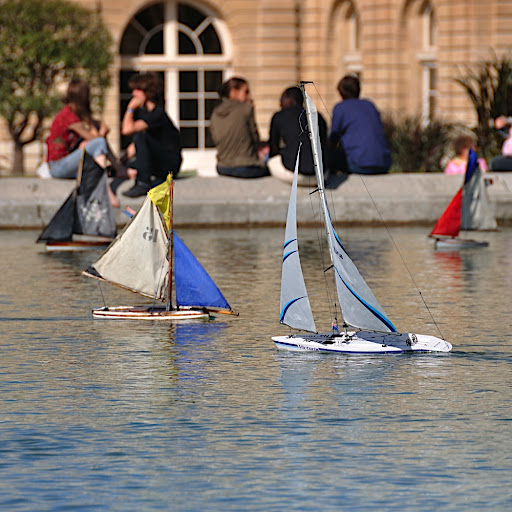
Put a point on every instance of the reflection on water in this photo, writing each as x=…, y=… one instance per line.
x=113, y=415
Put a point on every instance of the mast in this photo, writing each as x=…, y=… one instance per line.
x=317, y=165
x=171, y=246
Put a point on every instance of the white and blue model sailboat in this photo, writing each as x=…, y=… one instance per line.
x=146, y=257
x=370, y=329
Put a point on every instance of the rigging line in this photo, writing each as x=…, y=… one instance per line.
x=322, y=258
x=401, y=257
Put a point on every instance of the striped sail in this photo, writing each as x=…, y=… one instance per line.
x=295, y=307
x=359, y=306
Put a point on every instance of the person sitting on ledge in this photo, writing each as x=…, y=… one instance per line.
x=156, y=146
x=73, y=131
x=461, y=146
x=234, y=133
x=287, y=130
x=504, y=161
x=357, y=140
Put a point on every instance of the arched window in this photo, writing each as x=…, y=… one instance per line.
x=189, y=47
x=345, y=39
x=420, y=58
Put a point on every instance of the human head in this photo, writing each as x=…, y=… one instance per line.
x=349, y=87
x=462, y=144
x=291, y=96
x=236, y=88
x=150, y=84
x=78, y=98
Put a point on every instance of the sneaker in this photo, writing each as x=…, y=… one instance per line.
x=139, y=189
x=43, y=171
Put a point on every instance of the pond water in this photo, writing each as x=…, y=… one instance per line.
x=124, y=416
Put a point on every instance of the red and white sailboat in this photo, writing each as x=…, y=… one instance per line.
x=470, y=209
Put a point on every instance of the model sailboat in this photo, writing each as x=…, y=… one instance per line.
x=85, y=220
x=360, y=309
x=145, y=257
x=470, y=209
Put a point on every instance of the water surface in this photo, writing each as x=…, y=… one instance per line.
x=123, y=416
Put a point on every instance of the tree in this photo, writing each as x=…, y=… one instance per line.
x=490, y=90
x=43, y=44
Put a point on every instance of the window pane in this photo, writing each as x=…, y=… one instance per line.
x=188, y=110
x=209, y=141
x=189, y=16
x=189, y=137
x=155, y=45
x=185, y=45
x=209, y=105
x=131, y=42
x=188, y=81
x=210, y=41
x=151, y=17
x=212, y=81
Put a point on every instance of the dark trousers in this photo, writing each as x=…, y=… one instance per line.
x=339, y=161
x=501, y=163
x=148, y=161
x=243, y=172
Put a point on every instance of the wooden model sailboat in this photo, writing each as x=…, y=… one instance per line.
x=143, y=259
x=470, y=209
x=359, y=307
x=85, y=220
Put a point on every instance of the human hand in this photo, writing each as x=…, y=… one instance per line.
x=136, y=102
x=500, y=122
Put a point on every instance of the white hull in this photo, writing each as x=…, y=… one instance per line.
x=458, y=243
x=149, y=313
x=362, y=342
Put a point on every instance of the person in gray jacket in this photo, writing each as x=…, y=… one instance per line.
x=234, y=133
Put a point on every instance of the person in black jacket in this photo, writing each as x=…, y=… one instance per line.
x=155, y=138
x=287, y=131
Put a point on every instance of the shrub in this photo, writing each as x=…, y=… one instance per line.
x=417, y=146
x=490, y=90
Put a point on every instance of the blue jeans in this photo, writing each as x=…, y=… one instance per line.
x=67, y=166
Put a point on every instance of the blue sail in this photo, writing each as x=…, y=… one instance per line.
x=194, y=287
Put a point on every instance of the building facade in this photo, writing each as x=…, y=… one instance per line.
x=406, y=52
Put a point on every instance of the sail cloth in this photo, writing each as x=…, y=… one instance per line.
x=471, y=208
x=295, y=308
x=86, y=211
x=194, y=287
x=477, y=209
x=359, y=306
x=137, y=258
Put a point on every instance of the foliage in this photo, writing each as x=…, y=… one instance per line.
x=417, y=146
x=45, y=43
x=490, y=90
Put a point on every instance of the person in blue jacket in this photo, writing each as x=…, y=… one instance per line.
x=357, y=141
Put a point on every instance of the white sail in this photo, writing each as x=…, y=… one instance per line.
x=295, y=307
x=358, y=305
x=137, y=259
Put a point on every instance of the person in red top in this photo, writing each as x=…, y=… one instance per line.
x=74, y=129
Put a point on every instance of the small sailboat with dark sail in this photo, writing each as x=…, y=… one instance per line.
x=148, y=258
x=367, y=329
x=85, y=220
x=469, y=210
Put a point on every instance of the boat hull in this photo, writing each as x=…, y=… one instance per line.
x=149, y=313
x=76, y=246
x=458, y=243
x=362, y=342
